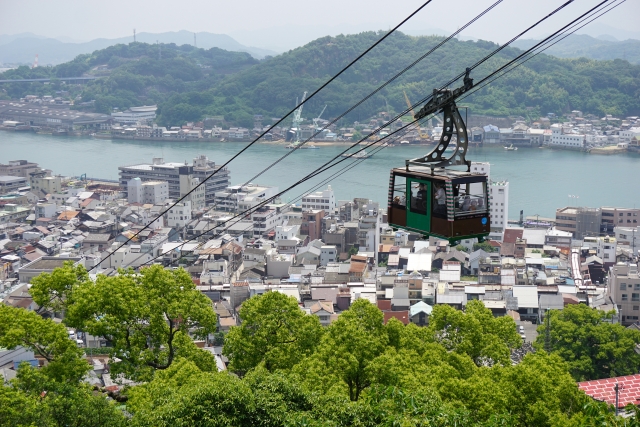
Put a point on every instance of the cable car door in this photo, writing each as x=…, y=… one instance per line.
x=418, y=209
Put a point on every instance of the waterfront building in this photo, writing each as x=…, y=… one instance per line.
x=624, y=288
x=18, y=168
x=324, y=200
x=563, y=138
x=158, y=170
x=619, y=217
x=499, y=205
x=59, y=117
x=142, y=114
x=491, y=134
x=579, y=221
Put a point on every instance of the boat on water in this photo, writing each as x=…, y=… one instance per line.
x=511, y=148
x=360, y=155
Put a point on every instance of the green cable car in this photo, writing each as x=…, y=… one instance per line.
x=427, y=198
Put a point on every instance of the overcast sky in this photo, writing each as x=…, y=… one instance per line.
x=254, y=21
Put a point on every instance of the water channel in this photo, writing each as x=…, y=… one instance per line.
x=540, y=179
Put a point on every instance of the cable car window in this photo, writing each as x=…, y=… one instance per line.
x=470, y=200
x=418, y=198
x=399, y=192
x=439, y=202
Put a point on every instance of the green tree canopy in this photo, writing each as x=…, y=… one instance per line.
x=274, y=331
x=592, y=345
x=147, y=317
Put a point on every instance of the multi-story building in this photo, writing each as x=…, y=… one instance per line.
x=11, y=183
x=499, y=205
x=179, y=215
x=18, y=168
x=579, y=221
x=158, y=170
x=242, y=197
x=45, y=210
x=324, y=200
x=605, y=248
x=190, y=188
x=143, y=114
x=619, y=217
x=561, y=138
x=42, y=184
x=624, y=288
x=13, y=213
x=152, y=192
x=266, y=219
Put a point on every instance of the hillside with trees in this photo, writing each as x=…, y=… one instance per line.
x=189, y=84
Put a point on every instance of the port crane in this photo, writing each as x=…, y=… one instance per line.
x=427, y=196
x=418, y=128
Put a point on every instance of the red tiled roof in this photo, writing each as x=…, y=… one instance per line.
x=402, y=316
x=510, y=236
x=384, y=304
x=604, y=390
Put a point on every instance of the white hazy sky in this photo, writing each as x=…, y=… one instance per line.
x=250, y=20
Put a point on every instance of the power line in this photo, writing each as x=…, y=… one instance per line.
x=329, y=164
x=280, y=120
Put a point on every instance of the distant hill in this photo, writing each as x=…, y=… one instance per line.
x=190, y=83
x=544, y=84
x=22, y=48
x=585, y=46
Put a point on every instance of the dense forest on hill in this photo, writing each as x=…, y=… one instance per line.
x=189, y=83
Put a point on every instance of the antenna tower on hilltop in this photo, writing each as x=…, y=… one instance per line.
x=35, y=62
x=134, y=35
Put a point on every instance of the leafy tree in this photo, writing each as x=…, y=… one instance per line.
x=47, y=339
x=592, y=345
x=352, y=342
x=488, y=340
x=274, y=331
x=147, y=317
x=53, y=291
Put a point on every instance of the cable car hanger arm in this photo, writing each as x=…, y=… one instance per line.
x=443, y=100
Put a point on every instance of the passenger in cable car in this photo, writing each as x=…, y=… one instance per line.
x=440, y=206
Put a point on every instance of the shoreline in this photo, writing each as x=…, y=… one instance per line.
x=319, y=144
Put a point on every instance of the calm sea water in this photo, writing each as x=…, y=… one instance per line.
x=540, y=180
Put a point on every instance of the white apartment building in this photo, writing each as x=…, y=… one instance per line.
x=179, y=215
x=266, y=219
x=45, y=210
x=499, y=205
x=605, y=247
x=328, y=253
x=324, y=200
x=624, y=288
x=287, y=232
x=628, y=236
x=562, y=139
x=151, y=192
x=238, y=198
x=628, y=135
x=191, y=190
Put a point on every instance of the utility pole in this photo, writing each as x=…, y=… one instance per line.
x=547, y=331
x=617, y=389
